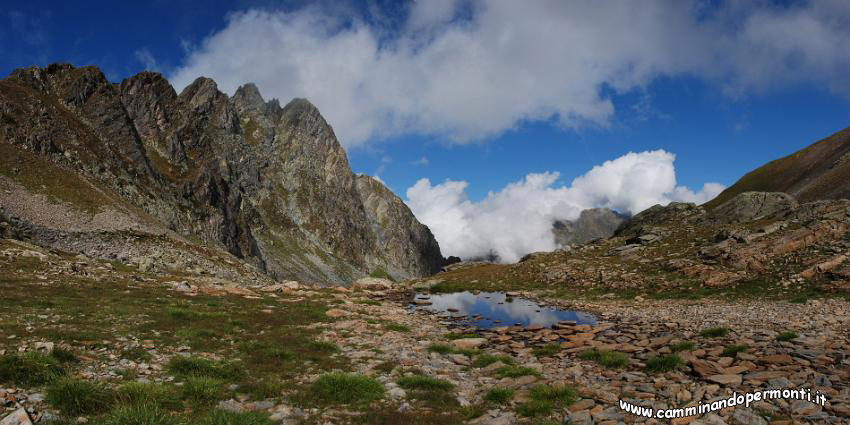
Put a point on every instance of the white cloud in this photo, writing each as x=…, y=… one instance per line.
x=518, y=219
x=466, y=70
x=146, y=58
x=421, y=161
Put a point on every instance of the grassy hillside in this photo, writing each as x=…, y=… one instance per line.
x=820, y=171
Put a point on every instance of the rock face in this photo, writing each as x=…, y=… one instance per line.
x=750, y=206
x=271, y=185
x=402, y=238
x=591, y=224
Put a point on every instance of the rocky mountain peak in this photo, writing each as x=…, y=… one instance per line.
x=301, y=113
x=202, y=94
x=149, y=100
x=272, y=186
x=151, y=82
x=248, y=97
x=306, y=134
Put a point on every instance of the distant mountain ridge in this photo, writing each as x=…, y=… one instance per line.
x=591, y=224
x=271, y=185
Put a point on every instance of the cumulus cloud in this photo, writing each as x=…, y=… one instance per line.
x=467, y=69
x=518, y=219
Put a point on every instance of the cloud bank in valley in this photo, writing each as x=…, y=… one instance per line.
x=464, y=70
x=518, y=219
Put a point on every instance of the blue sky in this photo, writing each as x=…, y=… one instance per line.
x=494, y=93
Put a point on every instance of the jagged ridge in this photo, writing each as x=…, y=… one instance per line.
x=269, y=184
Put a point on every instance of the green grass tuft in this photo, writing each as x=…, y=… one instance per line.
x=714, y=332
x=547, y=350
x=150, y=394
x=137, y=354
x=787, y=336
x=202, y=390
x=185, y=367
x=732, y=350
x=663, y=363
x=799, y=299
x=223, y=417
x=499, y=395
x=545, y=398
x=606, y=358
x=77, y=397
x=180, y=313
x=323, y=347
x=265, y=387
x=396, y=327
x=515, y=371
x=440, y=348
x=29, y=369
x=141, y=414
x=380, y=273
x=63, y=355
x=485, y=360
x=682, y=346
x=468, y=352
x=267, y=353
x=426, y=383
x=343, y=388
x=453, y=336
x=386, y=367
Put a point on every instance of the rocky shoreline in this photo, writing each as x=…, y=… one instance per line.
x=816, y=359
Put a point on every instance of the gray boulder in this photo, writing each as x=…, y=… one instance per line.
x=751, y=206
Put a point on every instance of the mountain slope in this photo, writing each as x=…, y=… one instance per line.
x=269, y=185
x=819, y=171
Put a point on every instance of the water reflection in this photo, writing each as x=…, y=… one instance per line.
x=490, y=309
